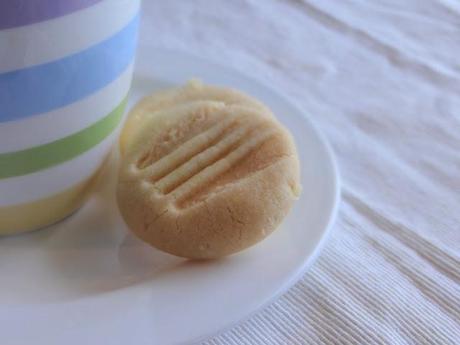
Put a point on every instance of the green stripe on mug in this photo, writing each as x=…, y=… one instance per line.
x=38, y=158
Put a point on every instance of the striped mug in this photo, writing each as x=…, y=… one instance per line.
x=65, y=72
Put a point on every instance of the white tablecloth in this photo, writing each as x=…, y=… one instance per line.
x=381, y=79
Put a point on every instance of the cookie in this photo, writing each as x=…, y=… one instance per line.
x=207, y=178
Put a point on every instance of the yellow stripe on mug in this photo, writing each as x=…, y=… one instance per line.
x=40, y=213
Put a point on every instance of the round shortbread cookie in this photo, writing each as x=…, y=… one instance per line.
x=205, y=179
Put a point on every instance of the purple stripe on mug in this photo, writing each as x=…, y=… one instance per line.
x=15, y=13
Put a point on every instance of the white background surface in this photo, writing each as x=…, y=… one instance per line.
x=382, y=80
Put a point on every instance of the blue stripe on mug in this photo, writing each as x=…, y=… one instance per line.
x=45, y=87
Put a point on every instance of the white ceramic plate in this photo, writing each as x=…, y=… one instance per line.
x=86, y=280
